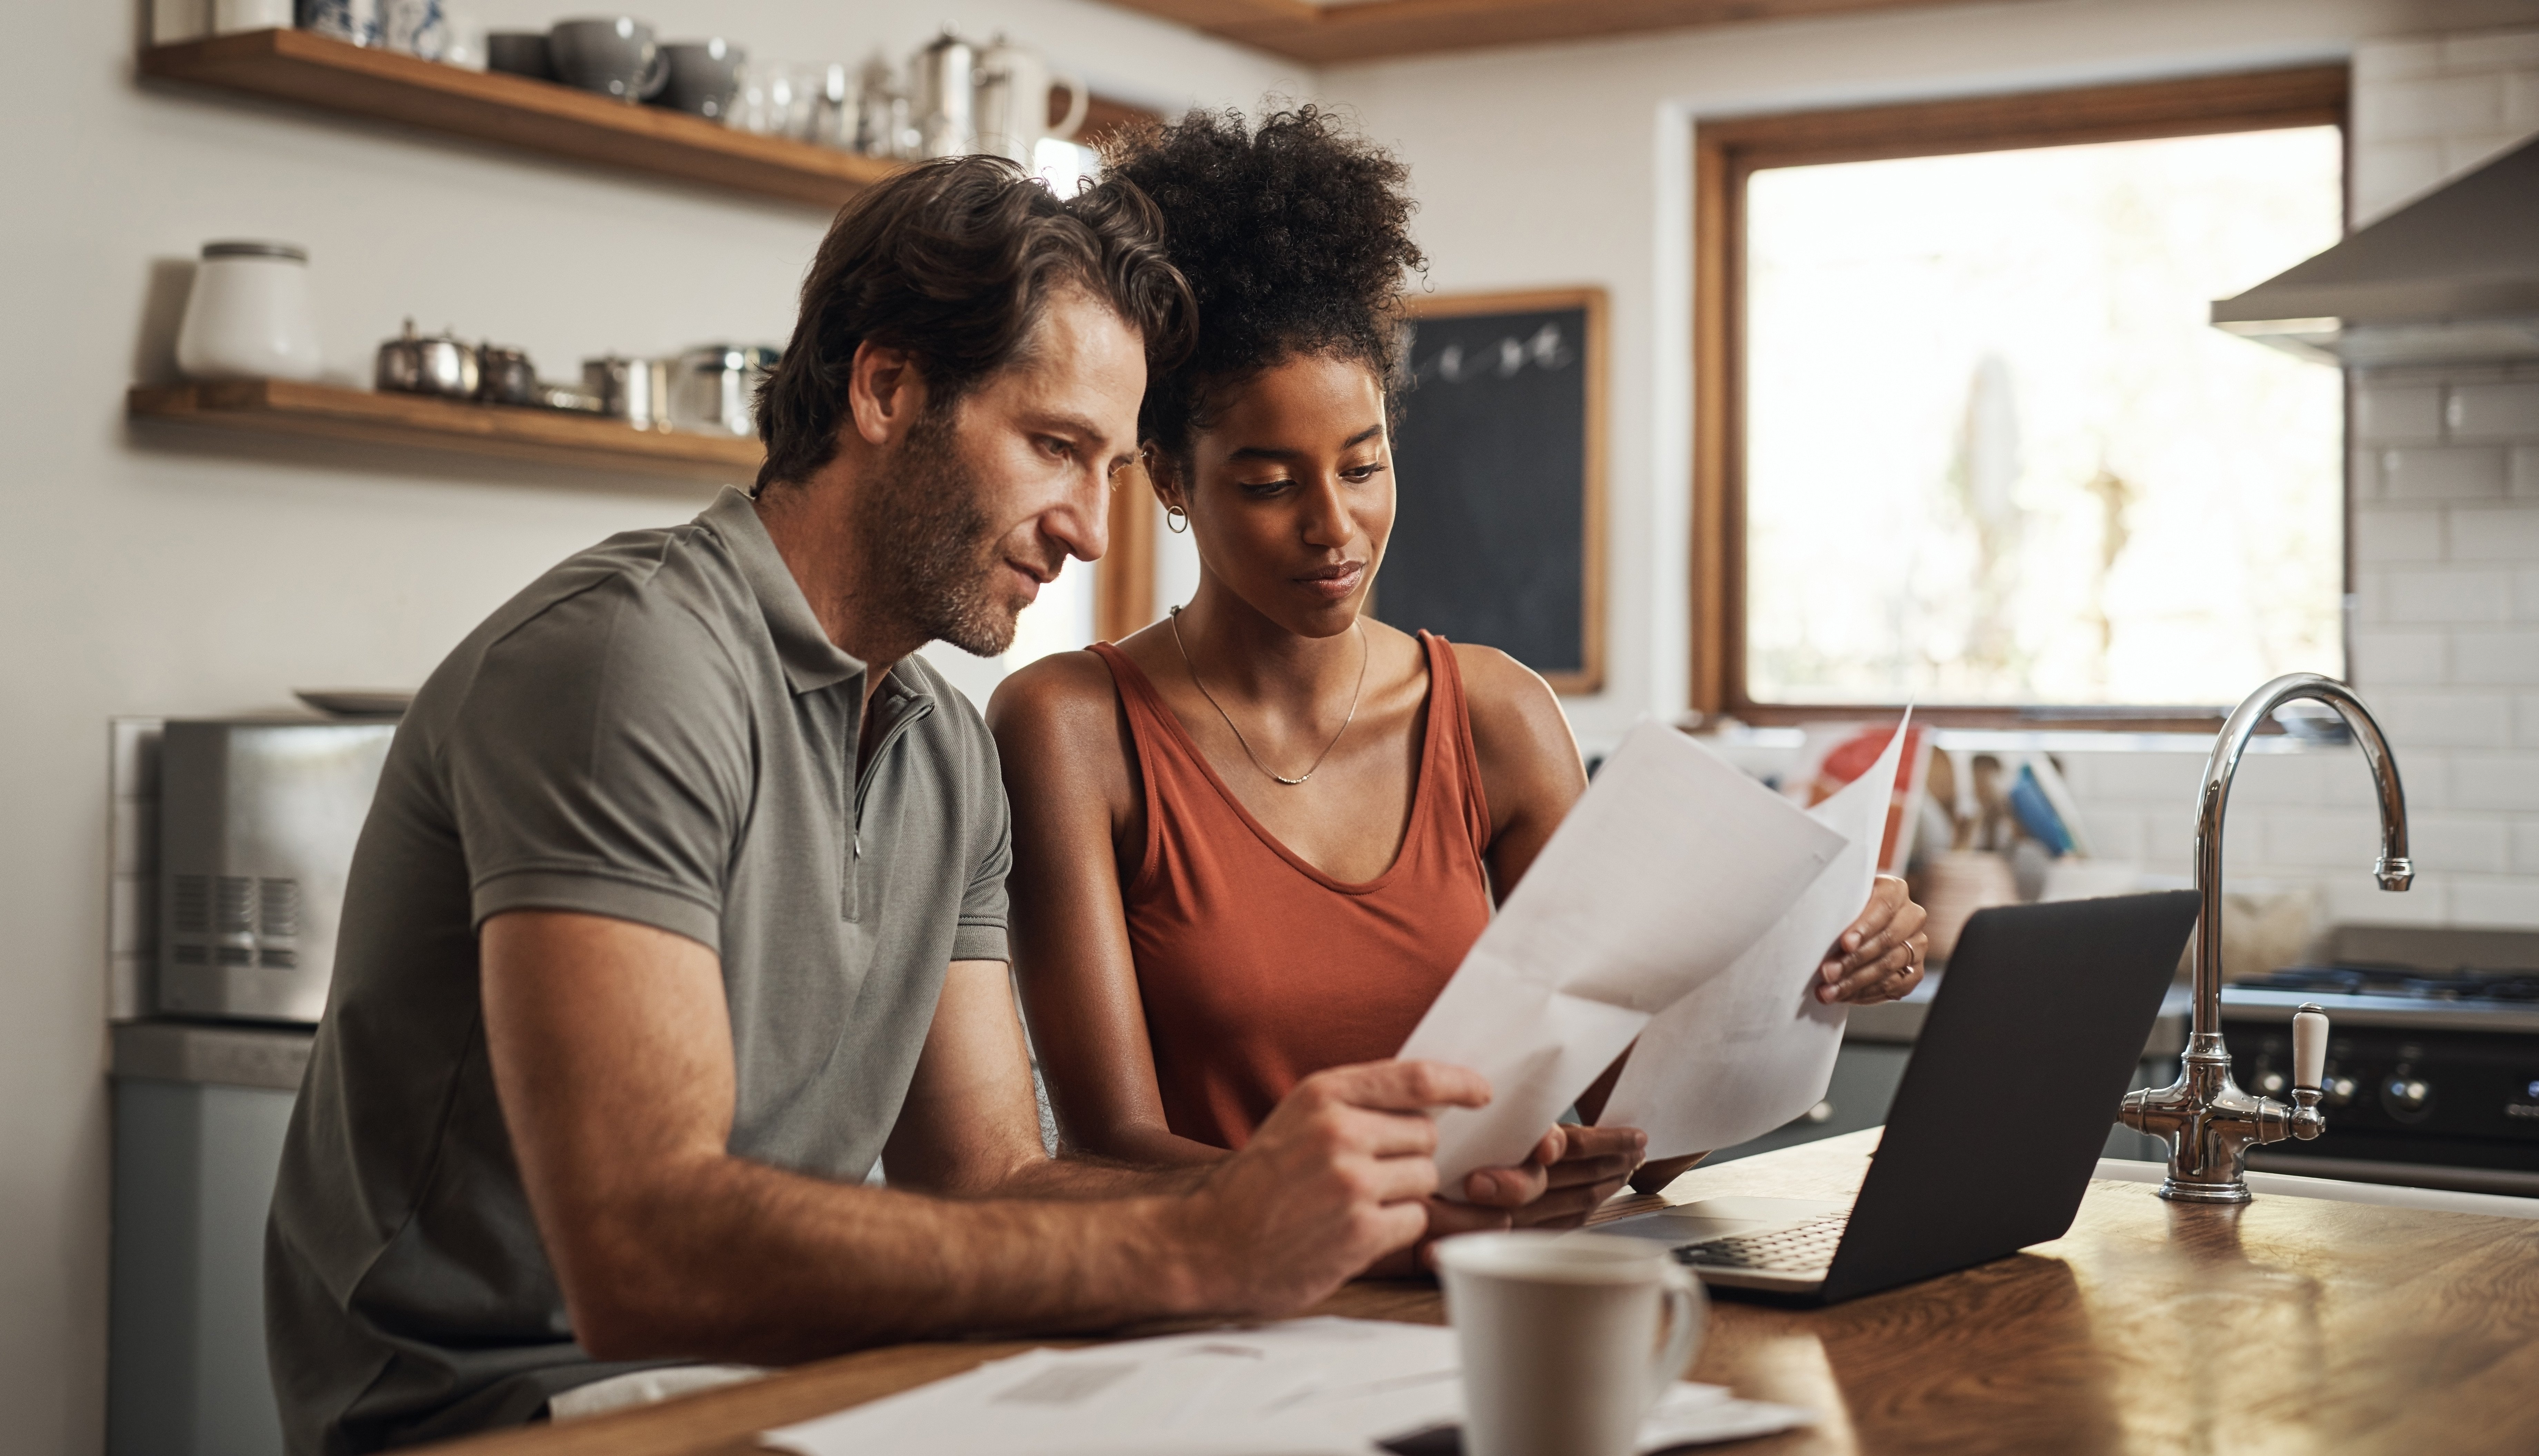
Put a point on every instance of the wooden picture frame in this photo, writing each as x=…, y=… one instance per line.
x=1597, y=353
x=1726, y=152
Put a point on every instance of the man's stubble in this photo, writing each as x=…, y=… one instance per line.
x=932, y=557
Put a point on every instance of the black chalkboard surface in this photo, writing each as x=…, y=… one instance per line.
x=1497, y=474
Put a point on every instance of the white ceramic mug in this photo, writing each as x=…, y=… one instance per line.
x=1560, y=1340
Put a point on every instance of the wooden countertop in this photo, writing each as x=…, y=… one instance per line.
x=2290, y=1324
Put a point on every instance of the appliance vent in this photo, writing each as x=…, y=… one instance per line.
x=234, y=955
x=193, y=904
x=279, y=902
x=272, y=959
x=236, y=905
x=193, y=955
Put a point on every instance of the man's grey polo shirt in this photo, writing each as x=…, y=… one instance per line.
x=657, y=730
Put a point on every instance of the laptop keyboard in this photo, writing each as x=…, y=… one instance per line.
x=1796, y=1250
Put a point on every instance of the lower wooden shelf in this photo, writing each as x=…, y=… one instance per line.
x=421, y=421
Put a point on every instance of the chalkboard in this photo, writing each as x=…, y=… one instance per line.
x=1498, y=473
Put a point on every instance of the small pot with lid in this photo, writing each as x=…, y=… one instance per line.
x=506, y=377
x=435, y=364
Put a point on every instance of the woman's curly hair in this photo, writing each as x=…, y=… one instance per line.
x=1295, y=238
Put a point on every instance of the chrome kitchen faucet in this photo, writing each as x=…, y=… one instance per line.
x=2207, y=1122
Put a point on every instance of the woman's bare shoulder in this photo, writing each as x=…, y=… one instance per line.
x=1504, y=690
x=1063, y=699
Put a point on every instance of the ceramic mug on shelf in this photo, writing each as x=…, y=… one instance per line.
x=418, y=28
x=518, y=53
x=1560, y=1337
x=704, y=78
x=355, y=21
x=250, y=315
x=614, y=56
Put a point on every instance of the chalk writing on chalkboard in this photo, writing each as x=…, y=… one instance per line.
x=1495, y=490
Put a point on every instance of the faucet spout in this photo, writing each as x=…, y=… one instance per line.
x=2207, y=1120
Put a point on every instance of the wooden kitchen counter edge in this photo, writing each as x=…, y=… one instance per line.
x=2150, y=1327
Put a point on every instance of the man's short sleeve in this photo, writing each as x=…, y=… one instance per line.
x=601, y=765
x=982, y=932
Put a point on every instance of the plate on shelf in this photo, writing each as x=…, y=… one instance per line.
x=357, y=703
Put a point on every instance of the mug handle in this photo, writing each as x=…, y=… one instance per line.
x=656, y=75
x=1683, y=1301
x=1080, y=99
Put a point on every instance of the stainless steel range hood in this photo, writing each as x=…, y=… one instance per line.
x=2450, y=278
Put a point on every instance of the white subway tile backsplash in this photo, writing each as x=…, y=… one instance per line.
x=2525, y=472
x=2399, y=533
x=2392, y=413
x=2114, y=833
x=2387, y=175
x=2377, y=61
x=2359, y=899
x=2423, y=772
x=2414, y=717
x=2493, y=411
x=2398, y=658
x=2496, y=782
x=2491, y=50
x=2521, y=102
x=2468, y=153
x=2459, y=842
x=2318, y=838
x=2441, y=473
x=2495, y=902
x=2526, y=594
x=2289, y=779
x=2494, y=658
x=2525, y=846
x=2496, y=533
x=2437, y=108
x=2418, y=595
x=2160, y=778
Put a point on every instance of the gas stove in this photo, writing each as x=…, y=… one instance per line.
x=2433, y=1077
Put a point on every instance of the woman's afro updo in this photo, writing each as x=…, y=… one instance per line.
x=1295, y=238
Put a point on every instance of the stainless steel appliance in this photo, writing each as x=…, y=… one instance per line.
x=2432, y=1075
x=258, y=818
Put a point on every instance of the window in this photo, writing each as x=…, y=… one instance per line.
x=1964, y=435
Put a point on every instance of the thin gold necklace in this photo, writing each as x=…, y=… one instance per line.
x=1363, y=652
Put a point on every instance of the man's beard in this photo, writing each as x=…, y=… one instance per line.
x=930, y=555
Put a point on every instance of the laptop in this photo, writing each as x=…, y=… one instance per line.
x=1995, y=1131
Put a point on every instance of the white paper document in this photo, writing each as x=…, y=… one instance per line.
x=1670, y=868
x=1303, y=1387
x=1753, y=1048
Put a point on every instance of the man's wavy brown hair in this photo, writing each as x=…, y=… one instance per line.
x=955, y=261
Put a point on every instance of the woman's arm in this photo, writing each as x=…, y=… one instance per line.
x=1077, y=814
x=1531, y=771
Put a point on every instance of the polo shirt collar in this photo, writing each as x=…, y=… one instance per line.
x=811, y=661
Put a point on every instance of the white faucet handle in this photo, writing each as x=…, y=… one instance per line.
x=2309, y=1046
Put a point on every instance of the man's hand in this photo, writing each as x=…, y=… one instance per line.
x=1879, y=957
x=1573, y=1171
x=1337, y=1177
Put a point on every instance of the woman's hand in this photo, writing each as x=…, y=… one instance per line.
x=1573, y=1171
x=1879, y=957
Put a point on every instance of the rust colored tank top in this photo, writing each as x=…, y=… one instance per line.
x=1257, y=968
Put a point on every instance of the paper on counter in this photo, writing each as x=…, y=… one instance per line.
x=1753, y=1048
x=1302, y=1387
x=1667, y=871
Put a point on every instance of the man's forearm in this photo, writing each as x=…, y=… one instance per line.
x=752, y=1263
x=1079, y=1175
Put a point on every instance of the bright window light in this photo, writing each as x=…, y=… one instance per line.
x=1994, y=451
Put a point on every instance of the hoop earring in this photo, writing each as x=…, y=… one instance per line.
x=1176, y=520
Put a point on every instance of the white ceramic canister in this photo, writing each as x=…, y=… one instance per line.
x=231, y=16
x=250, y=315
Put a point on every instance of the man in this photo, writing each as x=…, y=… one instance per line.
x=682, y=902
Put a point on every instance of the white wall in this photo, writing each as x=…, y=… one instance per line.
x=1572, y=165
x=150, y=573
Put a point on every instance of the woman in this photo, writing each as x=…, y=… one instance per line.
x=1255, y=838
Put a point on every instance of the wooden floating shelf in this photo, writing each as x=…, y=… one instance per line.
x=515, y=111
x=421, y=421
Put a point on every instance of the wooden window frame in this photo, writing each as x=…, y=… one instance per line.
x=1727, y=152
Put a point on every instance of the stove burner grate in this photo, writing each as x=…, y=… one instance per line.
x=2407, y=983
